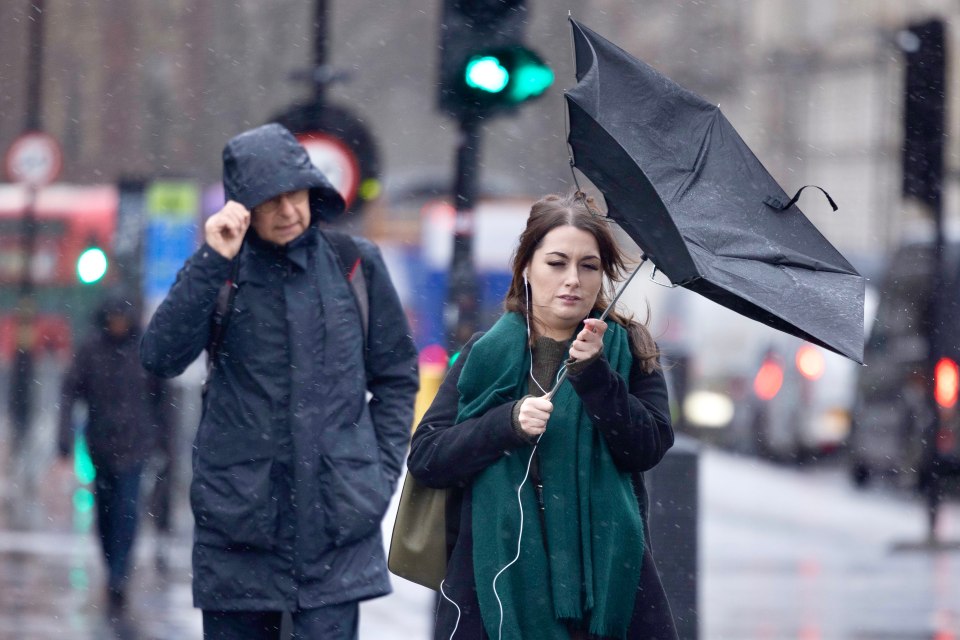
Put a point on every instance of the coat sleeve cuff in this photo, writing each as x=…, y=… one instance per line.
x=515, y=421
x=207, y=268
x=575, y=367
x=584, y=372
x=209, y=260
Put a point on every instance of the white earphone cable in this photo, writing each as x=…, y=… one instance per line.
x=457, y=623
x=526, y=476
x=526, y=286
x=519, y=539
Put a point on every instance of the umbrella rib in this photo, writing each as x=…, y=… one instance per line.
x=820, y=268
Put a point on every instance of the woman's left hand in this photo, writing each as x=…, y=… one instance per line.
x=589, y=342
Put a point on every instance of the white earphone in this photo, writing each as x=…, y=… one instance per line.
x=526, y=293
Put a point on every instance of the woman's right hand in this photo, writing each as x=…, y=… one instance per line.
x=534, y=414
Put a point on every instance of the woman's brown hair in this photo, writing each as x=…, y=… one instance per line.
x=576, y=210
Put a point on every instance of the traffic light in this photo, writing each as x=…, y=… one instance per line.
x=485, y=66
x=92, y=265
x=924, y=110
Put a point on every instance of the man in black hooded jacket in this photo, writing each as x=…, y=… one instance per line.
x=307, y=416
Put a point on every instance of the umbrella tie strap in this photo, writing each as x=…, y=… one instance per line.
x=587, y=201
x=583, y=197
x=777, y=203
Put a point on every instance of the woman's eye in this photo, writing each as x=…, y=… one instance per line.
x=592, y=267
x=556, y=264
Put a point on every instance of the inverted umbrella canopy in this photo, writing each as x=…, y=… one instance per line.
x=681, y=182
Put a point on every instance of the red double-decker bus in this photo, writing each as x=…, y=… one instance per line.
x=68, y=219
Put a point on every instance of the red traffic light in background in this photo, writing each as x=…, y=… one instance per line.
x=947, y=382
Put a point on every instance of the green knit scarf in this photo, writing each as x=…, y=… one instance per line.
x=594, y=532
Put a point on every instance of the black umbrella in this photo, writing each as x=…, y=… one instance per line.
x=682, y=183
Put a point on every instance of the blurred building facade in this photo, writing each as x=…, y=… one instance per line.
x=154, y=89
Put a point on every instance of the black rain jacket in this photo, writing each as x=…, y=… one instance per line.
x=304, y=428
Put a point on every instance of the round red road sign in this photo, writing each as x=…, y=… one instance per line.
x=34, y=158
x=336, y=160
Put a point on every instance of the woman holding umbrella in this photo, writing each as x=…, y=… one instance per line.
x=547, y=532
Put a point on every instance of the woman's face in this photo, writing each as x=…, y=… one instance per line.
x=565, y=276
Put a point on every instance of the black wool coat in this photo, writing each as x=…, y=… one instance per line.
x=633, y=417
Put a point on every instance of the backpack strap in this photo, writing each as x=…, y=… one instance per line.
x=354, y=270
x=220, y=320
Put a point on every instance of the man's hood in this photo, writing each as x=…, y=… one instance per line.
x=265, y=162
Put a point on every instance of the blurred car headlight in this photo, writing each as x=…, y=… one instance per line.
x=833, y=425
x=708, y=409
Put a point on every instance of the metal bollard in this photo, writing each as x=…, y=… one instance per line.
x=674, y=507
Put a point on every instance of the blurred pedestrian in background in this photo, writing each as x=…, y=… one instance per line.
x=125, y=409
x=572, y=559
x=307, y=415
x=23, y=379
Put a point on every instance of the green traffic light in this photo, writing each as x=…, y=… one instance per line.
x=505, y=76
x=531, y=79
x=91, y=265
x=486, y=73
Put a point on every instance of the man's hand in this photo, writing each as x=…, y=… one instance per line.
x=225, y=229
x=534, y=413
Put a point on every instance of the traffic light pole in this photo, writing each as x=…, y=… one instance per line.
x=935, y=351
x=21, y=390
x=319, y=50
x=32, y=123
x=924, y=46
x=461, y=314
